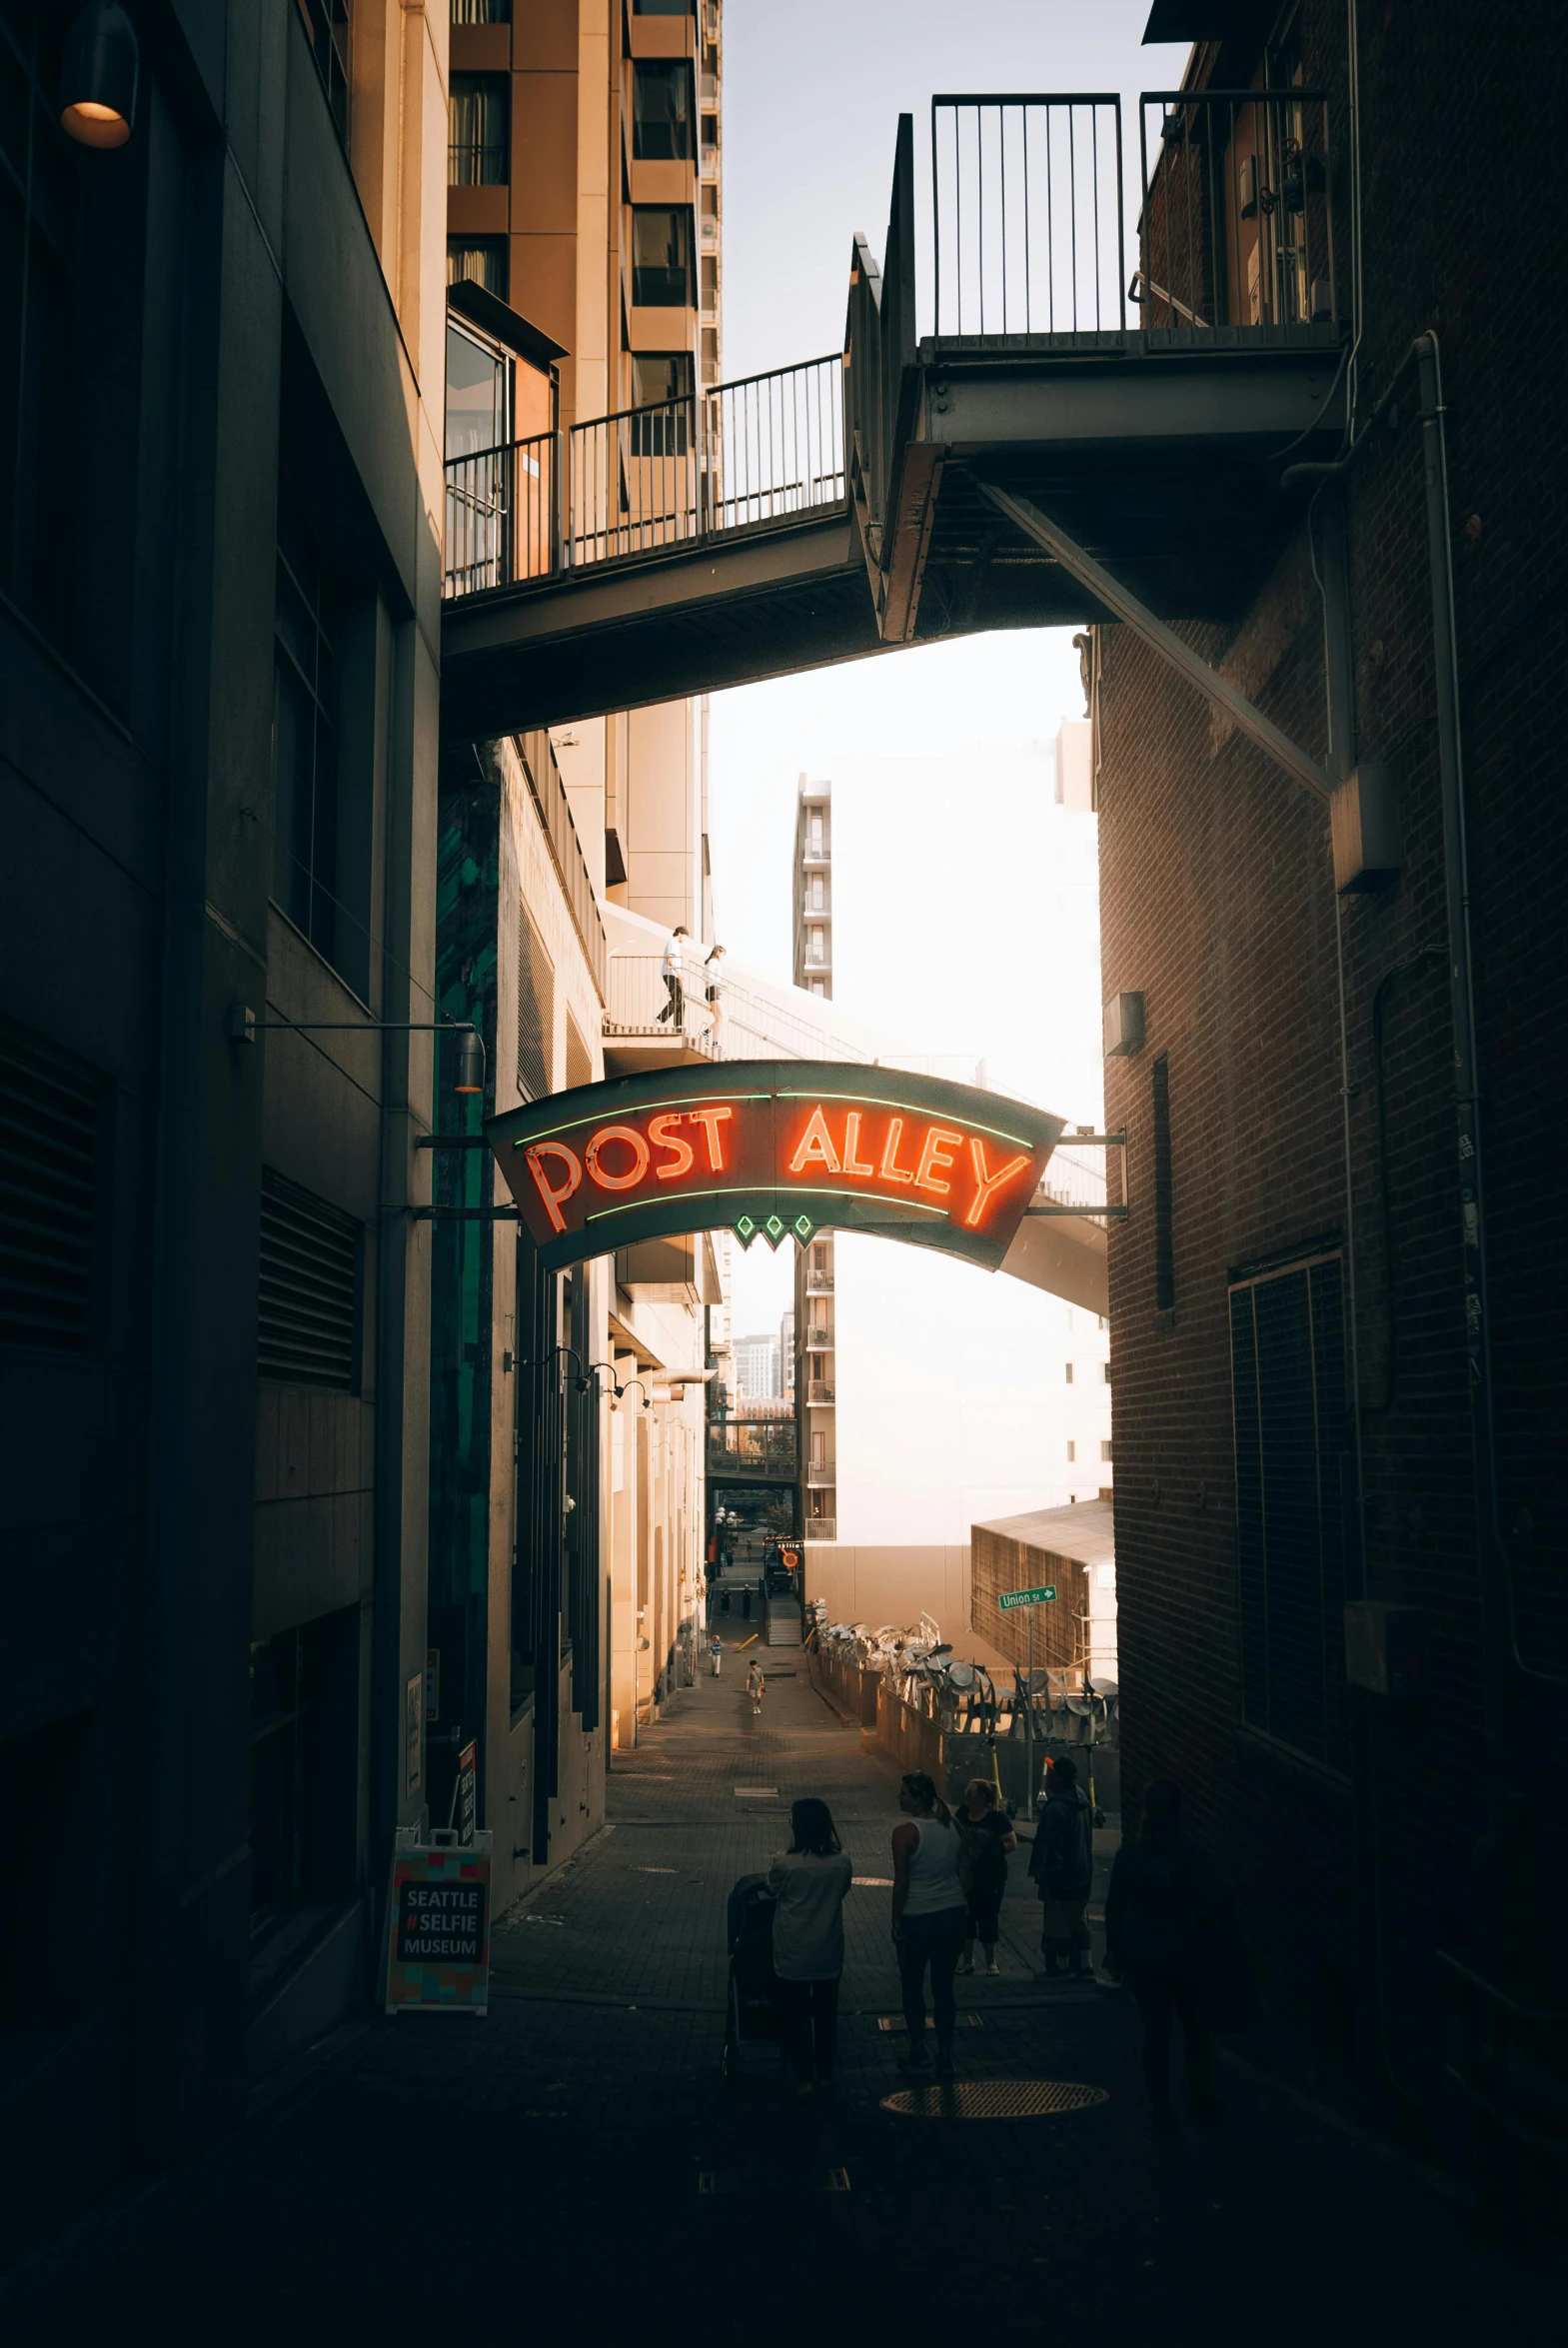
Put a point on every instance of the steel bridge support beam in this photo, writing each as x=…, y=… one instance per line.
x=1125, y=606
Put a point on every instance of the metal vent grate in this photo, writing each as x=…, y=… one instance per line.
x=50, y=1125
x=309, y=1269
x=993, y=2099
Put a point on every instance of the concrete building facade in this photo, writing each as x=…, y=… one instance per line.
x=219, y=651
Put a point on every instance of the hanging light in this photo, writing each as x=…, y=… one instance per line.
x=470, y=1063
x=99, y=76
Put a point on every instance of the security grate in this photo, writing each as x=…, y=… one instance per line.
x=993, y=2099
x=307, y=1326
x=50, y=1125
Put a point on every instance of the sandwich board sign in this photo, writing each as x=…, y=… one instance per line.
x=438, y=1925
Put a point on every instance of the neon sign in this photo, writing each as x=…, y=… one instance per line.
x=772, y=1148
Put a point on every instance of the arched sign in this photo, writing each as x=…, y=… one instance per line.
x=776, y=1149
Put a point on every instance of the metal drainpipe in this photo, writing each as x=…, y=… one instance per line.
x=1500, y=1644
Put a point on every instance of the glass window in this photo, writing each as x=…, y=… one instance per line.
x=661, y=7
x=1069, y=1373
x=482, y=262
x=327, y=22
x=662, y=257
x=477, y=140
x=482, y=11
x=478, y=389
x=662, y=110
x=304, y=731
x=1072, y=1451
x=660, y=392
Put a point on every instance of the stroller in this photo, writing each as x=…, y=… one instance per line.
x=754, y=2016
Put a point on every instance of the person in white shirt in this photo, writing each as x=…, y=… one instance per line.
x=673, y=968
x=930, y=1914
x=809, y=1882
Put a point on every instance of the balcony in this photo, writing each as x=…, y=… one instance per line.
x=819, y=1341
x=819, y=1284
x=821, y=1529
x=820, y=1390
x=821, y=1475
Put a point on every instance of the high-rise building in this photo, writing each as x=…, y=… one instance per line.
x=583, y=259
x=812, y=905
x=758, y=1374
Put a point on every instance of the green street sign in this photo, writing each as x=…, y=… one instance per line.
x=1026, y=1598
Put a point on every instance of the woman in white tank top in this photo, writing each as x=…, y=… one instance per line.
x=929, y=1916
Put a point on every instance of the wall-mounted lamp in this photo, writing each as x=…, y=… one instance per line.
x=245, y=1027
x=99, y=76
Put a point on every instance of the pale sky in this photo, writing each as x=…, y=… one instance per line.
x=811, y=98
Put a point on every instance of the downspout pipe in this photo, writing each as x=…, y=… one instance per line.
x=1500, y=1643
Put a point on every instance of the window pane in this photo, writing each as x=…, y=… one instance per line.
x=662, y=112
x=662, y=257
x=476, y=393
x=476, y=152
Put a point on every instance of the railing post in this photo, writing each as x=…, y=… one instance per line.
x=560, y=492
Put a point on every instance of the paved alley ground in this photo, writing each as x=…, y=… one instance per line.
x=573, y=2165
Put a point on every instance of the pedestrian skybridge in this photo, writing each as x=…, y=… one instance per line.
x=1129, y=392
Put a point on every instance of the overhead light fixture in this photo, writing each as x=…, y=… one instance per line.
x=471, y=1062
x=99, y=76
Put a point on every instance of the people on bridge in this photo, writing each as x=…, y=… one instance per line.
x=714, y=989
x=756, y=1686
x=1164, y=1896
x=716, y=1649
x=674, y=970
x=930, y=1917
x=809, y=1882
x=1063, y=1867
x=987, y=1839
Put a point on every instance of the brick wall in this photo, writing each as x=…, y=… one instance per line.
x=1218, y=903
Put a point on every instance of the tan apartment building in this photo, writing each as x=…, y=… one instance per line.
x=583, y=274
x=812, y=902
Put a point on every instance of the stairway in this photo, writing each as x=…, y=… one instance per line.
x=783, y=1622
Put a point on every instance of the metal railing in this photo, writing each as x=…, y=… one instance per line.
x=753, y=1447
x=768, y=448
x=500, y=520
x=1026, y=214
x=638, y=1003
x=1237, y=227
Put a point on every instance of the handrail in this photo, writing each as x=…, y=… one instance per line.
x=763, y=449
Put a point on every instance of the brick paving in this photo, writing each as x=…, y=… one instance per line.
x=458, y=2178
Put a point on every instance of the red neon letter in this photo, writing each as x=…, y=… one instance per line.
x=851, y=1142
x=893, y=1171
x=817, y=1147
x=663, y=1138
x=988, y=1185
x=638, y=1147
x=553, y=1198
x=710, y=1120
x=938, y=1150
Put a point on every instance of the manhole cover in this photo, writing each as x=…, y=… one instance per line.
x=993, y=2099
x=757, y=1794
x=873, y=1882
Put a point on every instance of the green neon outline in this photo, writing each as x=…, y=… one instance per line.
x=648, y=1108
x=875, y=1101
x=753, y=1189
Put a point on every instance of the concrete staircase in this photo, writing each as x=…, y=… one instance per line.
x=783, y=1622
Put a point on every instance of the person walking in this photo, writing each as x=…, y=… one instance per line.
x=756, y=1686
x=716, y=1649
x=930, y=1914
x=1063, y=1867
x=988, y=1838
x=809, y=1882
x=1163, y=1896
x=714, y=990
x=672, y=970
